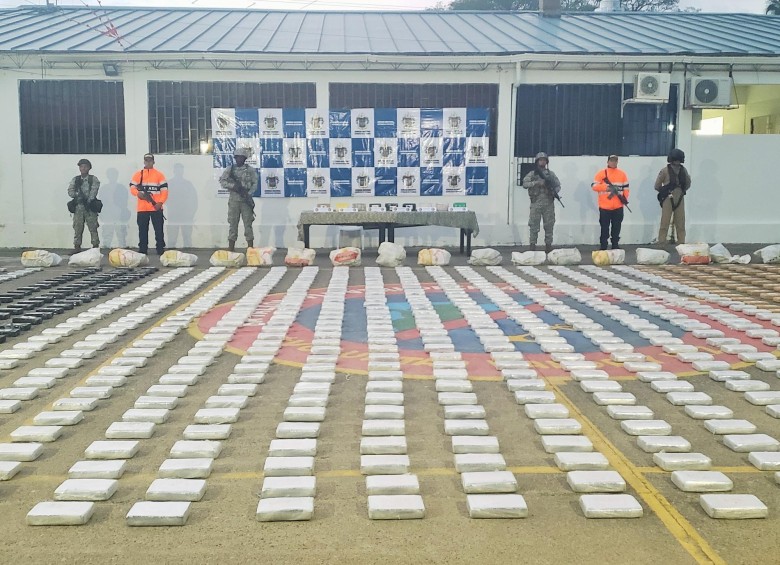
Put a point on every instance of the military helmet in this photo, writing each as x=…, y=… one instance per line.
x=541, y=155
x=242, y=152
x=84, y=162
x=676, y=155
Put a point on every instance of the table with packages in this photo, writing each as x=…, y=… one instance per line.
x=388, y=222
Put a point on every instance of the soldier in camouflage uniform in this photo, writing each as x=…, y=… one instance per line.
x=542, y=186
x=240, y=180
x=83, y=188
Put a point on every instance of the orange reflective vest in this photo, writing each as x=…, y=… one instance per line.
x=153, y=183
x=616, y=177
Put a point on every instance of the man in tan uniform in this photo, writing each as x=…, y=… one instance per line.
x=672, y=184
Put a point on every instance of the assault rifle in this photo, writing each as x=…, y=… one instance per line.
x=242, y=192
x=615, y=191
x=143, y=194
x=546, y=178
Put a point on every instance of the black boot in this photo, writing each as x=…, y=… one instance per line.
x=532, y=247
x=548, y=247
x=232, y=245
x=250, y=243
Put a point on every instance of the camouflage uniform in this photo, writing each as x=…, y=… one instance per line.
x=542, y=204
x=84, y=190
x=240, y=204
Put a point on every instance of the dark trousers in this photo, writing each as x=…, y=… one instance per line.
x=143, y=230
x=615, y=218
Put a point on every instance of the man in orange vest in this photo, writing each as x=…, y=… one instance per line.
x=151, y=189
x=611, y=184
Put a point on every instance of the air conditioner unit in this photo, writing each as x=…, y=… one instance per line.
x=708, y=92
x=652, y=86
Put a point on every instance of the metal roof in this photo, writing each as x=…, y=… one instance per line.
x=157, y=31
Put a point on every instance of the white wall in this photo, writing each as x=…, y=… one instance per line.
x=734, y=196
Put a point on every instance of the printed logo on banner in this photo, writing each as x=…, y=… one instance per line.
x=408, y=122
x=430, y=181
x=318, y=182
x=476, y=151
x=294, y=123
x=362, y=123
x=316, y=123
x=362, y=152
x=272, y=182
x=270, y=122
x=454, y=148
x=431, y=154
x=295, y=153
x=454, y=181
x=340, y=182
x=476, y=181
x=271, y=153
x=385, y=152
x=295, y=183
x=385, y=184
x=363, y=181
x=317, y=154
x=431, y=122
x=340, y=124
x=408, y=181
x=340, y=152
x=454, y=122
x=223, y=122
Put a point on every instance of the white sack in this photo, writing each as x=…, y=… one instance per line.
x=224, y=258
x=645, y=256
x=174, y=258
x=127, y=258
x=693, y=250
x=486, y=256
x=40, y=258
x=345, y=257
x=769, y=254
x=433, y=257
x=260, y=256
x=299, y=257
x=390, y=254
x=606, y=257
x=89, y=258
x=529, y=257
x=569, y=256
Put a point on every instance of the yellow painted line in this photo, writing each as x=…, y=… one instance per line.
x=682, y=530
x=741, y=469
x=29, y=421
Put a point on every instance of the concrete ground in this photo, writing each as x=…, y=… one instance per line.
x=222, y=526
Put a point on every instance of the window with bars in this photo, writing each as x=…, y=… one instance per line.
x=72, y=116
x=585, y=119
x=391, y=95
x=180, y=112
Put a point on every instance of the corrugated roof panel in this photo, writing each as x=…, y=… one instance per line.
x=190, y=30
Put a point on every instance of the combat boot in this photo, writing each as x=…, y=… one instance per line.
x=548, y=247
x=232, y=245
x=77, y=248
x=250, y=243
x=532, y=247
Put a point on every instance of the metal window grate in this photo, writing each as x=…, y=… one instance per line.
x=584, y=119
x=180, y=112
x=72, y=116
x=373, y=95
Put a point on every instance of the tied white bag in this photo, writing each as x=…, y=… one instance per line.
x=390, y=254
x=345, y=257
x=486, y=256
x=769, y=254
x=40, y=258
x=433, y=257
x=529, y=257
x=719, y=254
x=693, y=250
x=126, y=258
x=89, y=258
x=564, y=256
x=173, y=258
x=224, y=258
x=646, y=256
x=260, y=256
x=299, y=257
x=605, y=257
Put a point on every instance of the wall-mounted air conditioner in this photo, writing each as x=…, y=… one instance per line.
x=708, y=92
x=652, y=86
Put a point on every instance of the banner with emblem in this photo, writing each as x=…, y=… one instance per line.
x=368, y=152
